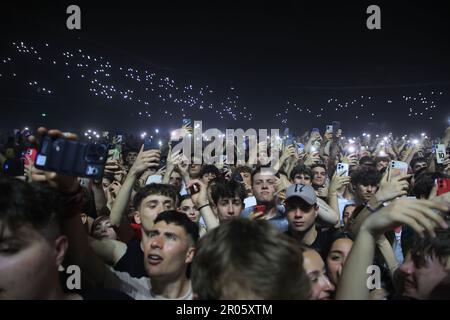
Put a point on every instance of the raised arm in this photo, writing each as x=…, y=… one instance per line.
x=418, y=214
x=144, y=160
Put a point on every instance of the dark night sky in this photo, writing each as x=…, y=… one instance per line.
x=271, y=52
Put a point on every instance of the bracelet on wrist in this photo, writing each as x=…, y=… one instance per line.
x=201, y=207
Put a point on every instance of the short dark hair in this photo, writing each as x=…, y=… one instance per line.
x=31, y=204
x=209, y=168
x=227, y=189
x=259, y=168
x=366, y=176
x=242, y=169
x=367, y=159
x=155, y=189
x=301, y=169
x=318, y=165
x=182, y=220
x=248, y=257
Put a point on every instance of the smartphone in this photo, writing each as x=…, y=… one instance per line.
x=151, y=144
x=336, y=126
x=29, y=153
x=286, y=132
x=237, y=177
x=397, y=168
x=289, y=141
x=443, y=186
x=342, y=169
x=187, y=123
x=13, y=168
x=300, y=148
x=195, y=188
x=329, y=129
x=72, y=158
x=440, y=153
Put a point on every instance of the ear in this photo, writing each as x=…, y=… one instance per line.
x=137, y=217
x=214, y=208
x=61, y=244
x=190, y=254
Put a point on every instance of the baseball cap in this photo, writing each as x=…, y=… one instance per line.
x=302, y=191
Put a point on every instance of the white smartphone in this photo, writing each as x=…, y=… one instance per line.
x=440, y=153
x=329, y=129
x=342, y=169
x=397, y=168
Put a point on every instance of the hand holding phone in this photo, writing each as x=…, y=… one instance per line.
x=397, y=168
x=440, y=153
x=72, y=158
x=342, y=169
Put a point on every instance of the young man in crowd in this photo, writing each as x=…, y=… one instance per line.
x=301, y=174
x=32, y=245
x=425, y=266
x=302, y=211
x=246, y=259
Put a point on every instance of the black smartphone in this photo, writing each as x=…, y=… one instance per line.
x=13, y=168
x=151, y=144
x=195, y=188
x=237, y=177
x=72, y=158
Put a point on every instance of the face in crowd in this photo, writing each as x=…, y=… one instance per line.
x=229, y=208
x=418, y=276
x=302, y=178
x=321, y=287
x=102, y=229
x=131, y=157
x=365, y=193
x=348, y=212
x=176, y=180
x=151, y=206
x=336, y=258
x=28, y=262
x=188, y=208
x=167, y=250
x=319, y=176
x=264, y=186
x=301, y=215
x=246, y=178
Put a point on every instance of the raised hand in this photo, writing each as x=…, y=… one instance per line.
x=145, y=160
x=418, y=214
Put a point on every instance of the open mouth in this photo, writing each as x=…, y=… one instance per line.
x=154, y=259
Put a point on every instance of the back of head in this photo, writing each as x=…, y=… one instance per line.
x=248, y=259
x=34, y=205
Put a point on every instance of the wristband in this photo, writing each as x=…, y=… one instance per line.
x=205, y=205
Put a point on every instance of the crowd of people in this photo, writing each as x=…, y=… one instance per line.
x=158, y=225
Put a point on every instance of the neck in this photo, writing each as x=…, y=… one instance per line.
x=171, y=289
x=307, y=237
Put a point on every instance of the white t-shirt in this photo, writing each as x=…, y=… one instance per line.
x=136, y=288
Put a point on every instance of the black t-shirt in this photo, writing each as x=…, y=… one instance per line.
x=320, y=243
x=132, y=261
